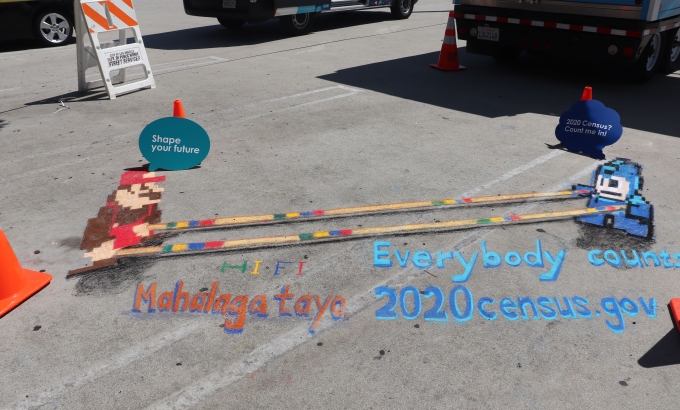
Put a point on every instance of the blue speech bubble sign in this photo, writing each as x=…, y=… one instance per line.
x=174, y=144
x=588, y=127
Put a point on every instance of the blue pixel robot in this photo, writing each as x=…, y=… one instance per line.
x=618, y=182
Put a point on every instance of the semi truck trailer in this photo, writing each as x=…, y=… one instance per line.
x=640, y=36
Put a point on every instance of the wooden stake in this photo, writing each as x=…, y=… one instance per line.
x=360, y=232
x=360, y=210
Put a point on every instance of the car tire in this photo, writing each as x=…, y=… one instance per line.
x=506, y=54
x=53, y=28
x=650, y=60
x=297, y=24
x=402, y=9
x=231, y=24
x=671, y=61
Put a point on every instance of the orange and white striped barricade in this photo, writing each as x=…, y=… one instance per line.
x=94, y=17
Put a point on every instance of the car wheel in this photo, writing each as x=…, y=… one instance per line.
x=671, y=62
x=402, y=9
x=649, y=61
x=53, y=28
x=297, y=24
x=231, y=24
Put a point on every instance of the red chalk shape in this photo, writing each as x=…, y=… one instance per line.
x=221, y=304
x=213, y=291
x=149, y=296
x=300, y=270
x=198, y=302
x=215, y=244
x=179, y=295
x=165, y=302
x=302, y=305
x=238, y=307
x=322, y=310
x=282, y=297
x=258, y=305
x=336, y=312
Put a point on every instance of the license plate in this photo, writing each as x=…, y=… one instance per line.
x=488, y=33
x=229, y=4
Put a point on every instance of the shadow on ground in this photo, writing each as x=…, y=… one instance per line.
x=528, y=85
x=490, y=89
x=113, y=279
x=97, y=94
x=7, y=46
x=216, y=36
x=598, y=237
x=665, y=352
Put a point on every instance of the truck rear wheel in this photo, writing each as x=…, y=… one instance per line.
x=402, y=9
x=231, y=24
x=650, y=60
x=671, y=62
x=297, y=24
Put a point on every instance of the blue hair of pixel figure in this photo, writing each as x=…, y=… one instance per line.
x=619, y=182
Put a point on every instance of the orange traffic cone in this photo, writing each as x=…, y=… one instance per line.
x=16, y=283
x=448, y=56
x=178, y=110
x=587, y=94
x=675, y=312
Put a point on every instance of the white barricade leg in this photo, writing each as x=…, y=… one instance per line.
x=94, y=17
x=85, y=54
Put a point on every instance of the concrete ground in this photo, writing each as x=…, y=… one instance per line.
x=349, y=115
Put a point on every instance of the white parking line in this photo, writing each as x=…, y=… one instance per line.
x=308, y=47
x=192, y=394
x=195, y=392
x=213, y=60
x=126, y=357
x=547, y=157
x=292, y=107
x=351, y=92
x=277, y=99
x=132, y=72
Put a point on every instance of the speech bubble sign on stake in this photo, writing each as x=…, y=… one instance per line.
x=588, y=126
x=174, y=144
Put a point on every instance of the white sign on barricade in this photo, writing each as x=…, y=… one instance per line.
x=94, y=17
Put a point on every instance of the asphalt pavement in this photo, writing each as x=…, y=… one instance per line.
x=349, y=115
